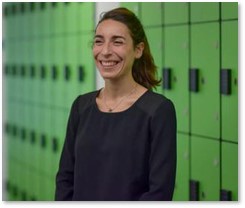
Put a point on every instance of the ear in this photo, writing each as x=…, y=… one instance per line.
x=139, y=50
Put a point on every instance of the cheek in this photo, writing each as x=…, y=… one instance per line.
x=96, y=51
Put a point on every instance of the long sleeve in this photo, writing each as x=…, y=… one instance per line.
x=162, y=162
x=65, y=175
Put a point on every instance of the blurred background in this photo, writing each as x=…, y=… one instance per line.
x=48, y=62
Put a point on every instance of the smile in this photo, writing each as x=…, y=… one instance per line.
x=109, y=63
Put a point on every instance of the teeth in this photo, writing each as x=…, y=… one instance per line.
x=108, y=63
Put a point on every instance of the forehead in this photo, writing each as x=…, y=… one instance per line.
x=112, y=28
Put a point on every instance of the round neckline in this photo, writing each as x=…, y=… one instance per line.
x=119, y=112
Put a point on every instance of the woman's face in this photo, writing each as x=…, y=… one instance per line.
x=113, y=49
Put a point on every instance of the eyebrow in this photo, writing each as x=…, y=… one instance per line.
x=113, y=37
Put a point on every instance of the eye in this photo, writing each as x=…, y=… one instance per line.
x=98, y=42
x=118, y=42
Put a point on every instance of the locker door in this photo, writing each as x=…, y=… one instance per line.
x=57, y=18
x=203, y=78
x=175, y=13
x=175, y=72
x=70, y=70
x=44, y=11
x=86, y=68
x=132, y=6
x=58, y=68
x=229, y=10
x=229, y=83
x=45, y=71
x=151, y=13
x=70, y=17
x=154, y=36
x=86, y=12
x=181, y=191
x=229, y=172
x=205, y=169
x=205, y=11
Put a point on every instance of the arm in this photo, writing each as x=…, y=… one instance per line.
x=64, y=177
x=162, y=161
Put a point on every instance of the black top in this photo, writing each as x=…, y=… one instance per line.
x=128, y=155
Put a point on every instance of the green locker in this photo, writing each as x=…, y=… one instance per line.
x=175, y=13
x=229, y=10
x=229, y=186
x=86, y=11
x=57, y=18
x=34, y=19
x=205, y=169
x=203, y=79
x=204, y=11
x=33, y=184
x=229, y=81
x=27, y=15
x=45, y=71
x=71, y=70
x=58, y=70
x=35, y=71
x=86, y=68
x=181, y=191
x=152, y=10
x=45, y=10
x=154, y=36
x=175, y=71
x=19, y=23
x=70, y=17
x=132, y=6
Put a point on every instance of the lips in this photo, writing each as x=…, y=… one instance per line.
x=108, y=63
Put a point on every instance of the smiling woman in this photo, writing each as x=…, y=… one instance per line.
x=121, y=140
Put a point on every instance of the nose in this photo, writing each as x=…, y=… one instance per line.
x=106, y=49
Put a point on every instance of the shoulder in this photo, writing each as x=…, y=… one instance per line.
x=154, y=102
x=83, y=101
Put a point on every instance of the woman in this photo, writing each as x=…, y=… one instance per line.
x=121, y=140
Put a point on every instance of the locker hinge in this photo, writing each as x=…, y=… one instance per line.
x=225, y=81
x=194, y=190
x=166, y=74
x=193, y=80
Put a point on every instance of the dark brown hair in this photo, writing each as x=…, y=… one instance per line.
x=144, y=69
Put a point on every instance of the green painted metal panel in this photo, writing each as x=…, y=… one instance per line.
x=57, y=18
x=205, y=167
x=132, y=6
x=205, y=104
x=176, y=58
x=70, y=17
x=230, y=169
x=151, y=13
x=204, y=11
x=229, y=106
x=86, y=12
x=154, y=36
x=181, y=191
x=229, y=10
x=175, y=12
x=85, y=77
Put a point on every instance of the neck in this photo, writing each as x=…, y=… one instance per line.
x=116, y=89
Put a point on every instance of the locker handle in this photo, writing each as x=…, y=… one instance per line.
x=23, y=134
x=13, y=8
x=54, y=73
x=14, y=131
x=67, y=73
x=7, y=128
x=23, y=71
x=32, y=71
x=225, y=81
x=193, y=80
x=32, y=6
x=225, y=195
x=81, y=73
x=54, y=144
x=33, y=137
x=6, y=69
x=14, y=70
x=43, y=141
x=43, y=72
x=167, y=75
x=22, y=7
x=194, y=190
